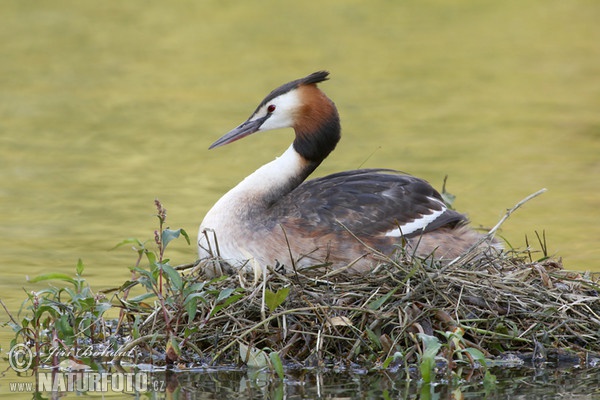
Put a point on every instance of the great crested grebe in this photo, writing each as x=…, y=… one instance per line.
x=275, y=218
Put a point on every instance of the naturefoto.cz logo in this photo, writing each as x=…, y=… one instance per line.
x=84, y=382
x=92, y=382
x=21, y=359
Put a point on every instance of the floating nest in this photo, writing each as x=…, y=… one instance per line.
x=507, y=307
x=480, y=309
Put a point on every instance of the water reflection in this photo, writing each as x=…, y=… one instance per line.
x=106, y=106
x=541, y=382
x=514, y=383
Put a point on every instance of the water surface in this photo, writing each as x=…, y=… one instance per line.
x=106, y=106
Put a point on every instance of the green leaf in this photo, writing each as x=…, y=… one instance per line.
x=225, y=293
x=189, y=331
x=477, y=355
x=141, y=297
x=151, y=258
x=489, y=382
x=375, y=304
x=431, y=346
x=186, y=236
x=191, y=307
x=173, y=351
x=194, y=288
x=17, y=327
x=373, y=337
x=274, y=300
x=135, y=331
x=72, y=294
x=64, y=328
x=431, y=343
x=173, y=275
x=197, y=295
x=174, y=344
x=129, y=241
x=426, y=368
x=277, y=364
x=227, y=302
x=53, y=311
x=393, y=358
x=142, y=272
x=169, y=234
x=80, y=267
x=448, y=198
x=125, y=286
x=102, y=307
x=52, y=276
x=254, y=358
x=86, y=304
x=146, y=278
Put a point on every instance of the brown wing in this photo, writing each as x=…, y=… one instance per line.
x=368, y=202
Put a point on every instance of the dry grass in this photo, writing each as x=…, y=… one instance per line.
x=499, y=305
x=503, y=306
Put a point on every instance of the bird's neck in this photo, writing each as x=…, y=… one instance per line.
x=317, y=127
x=269, y=183
x=317, y=134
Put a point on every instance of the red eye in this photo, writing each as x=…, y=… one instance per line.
x=271, y=108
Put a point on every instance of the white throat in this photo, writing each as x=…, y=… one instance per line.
x=270, y=179
x=264, y=185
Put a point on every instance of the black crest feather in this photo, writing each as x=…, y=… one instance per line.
x=313, y=78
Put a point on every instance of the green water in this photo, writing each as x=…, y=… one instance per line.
x=105, y=106
x=523, y=383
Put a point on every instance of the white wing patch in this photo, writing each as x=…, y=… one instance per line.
x=420, y=223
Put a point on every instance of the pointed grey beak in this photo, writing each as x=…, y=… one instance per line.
x=245, y=129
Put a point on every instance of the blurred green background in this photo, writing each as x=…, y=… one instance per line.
x=105, y=106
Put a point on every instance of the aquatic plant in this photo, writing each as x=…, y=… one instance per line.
x=60, y=319
x=413, y=315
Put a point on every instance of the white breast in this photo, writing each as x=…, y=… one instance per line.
x=226, y=226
